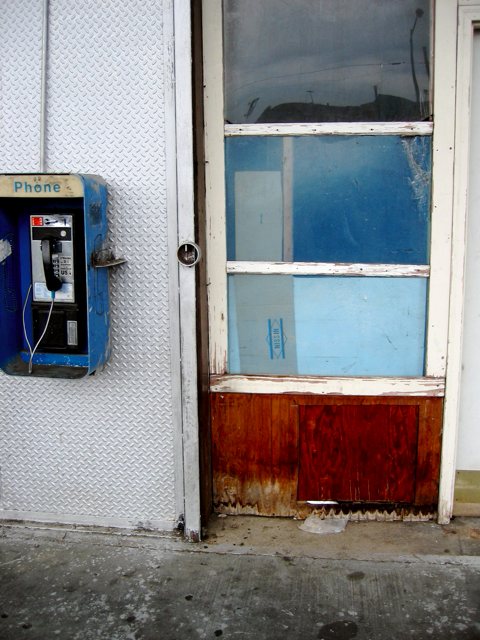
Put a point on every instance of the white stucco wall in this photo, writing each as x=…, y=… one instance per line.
x=104, y=449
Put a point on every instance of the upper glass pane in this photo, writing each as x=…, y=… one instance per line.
x=326, y=60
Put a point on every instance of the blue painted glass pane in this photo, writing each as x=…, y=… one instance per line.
x=329, y=326
x=329, y=199
x=326, y=60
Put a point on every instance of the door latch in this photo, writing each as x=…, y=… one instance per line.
x=189, y=254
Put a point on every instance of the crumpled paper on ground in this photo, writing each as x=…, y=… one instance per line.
x=316, y=524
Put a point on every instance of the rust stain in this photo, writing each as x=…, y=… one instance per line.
x=252, y=497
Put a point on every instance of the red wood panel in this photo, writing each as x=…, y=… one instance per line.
x=254, y=471
x=271, y=451
x=357, y=453
x=428, y=452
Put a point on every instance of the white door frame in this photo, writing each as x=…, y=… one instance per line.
x=468, y=20
x=181, y=215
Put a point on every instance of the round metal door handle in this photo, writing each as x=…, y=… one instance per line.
x=188, y=254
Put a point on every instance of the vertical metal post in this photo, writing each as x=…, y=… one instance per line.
x=43, y=89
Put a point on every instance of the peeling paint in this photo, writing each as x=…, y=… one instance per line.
x=426, y=386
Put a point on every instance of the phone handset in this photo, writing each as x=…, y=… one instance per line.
x=52, y=282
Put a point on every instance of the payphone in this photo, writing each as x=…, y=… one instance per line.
x=54, y=302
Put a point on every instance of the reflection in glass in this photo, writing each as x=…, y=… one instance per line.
x=328, y=199
x=330, y=326
x=326, y=60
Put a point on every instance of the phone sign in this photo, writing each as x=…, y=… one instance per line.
x=37, y=221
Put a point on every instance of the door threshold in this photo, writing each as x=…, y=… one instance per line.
x=354, y=512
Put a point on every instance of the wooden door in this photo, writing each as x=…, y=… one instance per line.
x=318, y=188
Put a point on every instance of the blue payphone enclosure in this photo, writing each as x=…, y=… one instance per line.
x=27, y=200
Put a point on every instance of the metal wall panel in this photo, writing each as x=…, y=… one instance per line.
x=100, y=449
x=20, y=49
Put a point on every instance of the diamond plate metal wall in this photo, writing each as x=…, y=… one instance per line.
x=20, y=48
x=104, y=447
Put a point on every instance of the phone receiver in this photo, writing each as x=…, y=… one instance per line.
x=52, y=281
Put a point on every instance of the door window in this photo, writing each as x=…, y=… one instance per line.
x=328, y=326
x=327, y=186
x=326, y=60
x=328, y=198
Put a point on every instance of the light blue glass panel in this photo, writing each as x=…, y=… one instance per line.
x=329, y=199
x=261, y=325
x=330, y=326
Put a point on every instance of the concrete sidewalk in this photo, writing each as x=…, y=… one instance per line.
x=251, y=578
